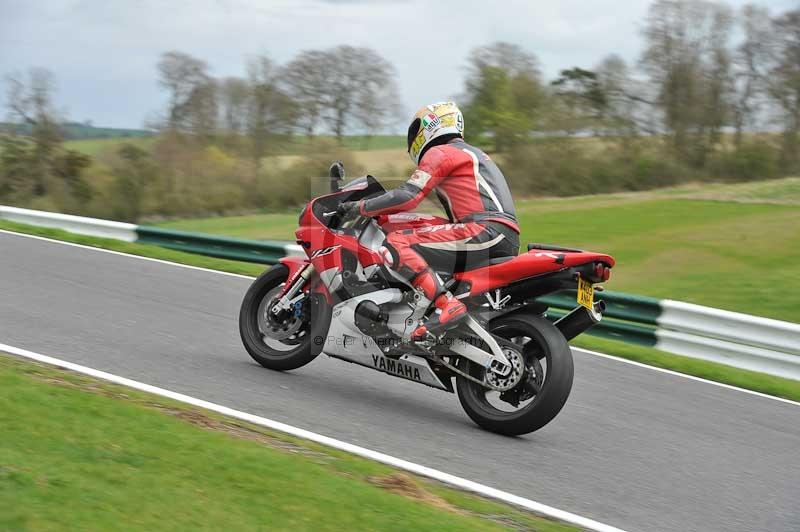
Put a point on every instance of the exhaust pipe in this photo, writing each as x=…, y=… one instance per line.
x=580, y=320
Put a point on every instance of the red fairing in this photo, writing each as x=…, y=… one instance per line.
x=528, y=264
x=324, y=247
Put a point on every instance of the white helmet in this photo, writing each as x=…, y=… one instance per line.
x=431, y=122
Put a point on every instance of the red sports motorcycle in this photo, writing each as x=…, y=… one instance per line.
x=511, y=366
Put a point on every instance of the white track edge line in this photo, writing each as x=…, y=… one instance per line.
x=141, y=257
x=685, y=375
x=435, y=474
x=587, y=351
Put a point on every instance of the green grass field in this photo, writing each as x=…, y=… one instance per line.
x=380, y=154
x=98, y=147
x=740, y=251
x=95, y=147
x=82, y=454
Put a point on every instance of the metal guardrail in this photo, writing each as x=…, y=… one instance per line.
x=740, y=340
x=259, y=251
x=214, y=246
x=74, y=224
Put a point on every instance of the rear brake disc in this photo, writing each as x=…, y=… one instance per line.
x=501, y=382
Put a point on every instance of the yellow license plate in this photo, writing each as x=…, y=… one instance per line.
x=585, y=293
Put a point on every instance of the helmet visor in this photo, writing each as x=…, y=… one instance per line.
x=413, y=130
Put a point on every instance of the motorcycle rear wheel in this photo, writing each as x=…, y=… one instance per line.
x=298, y=348
x=541, y=340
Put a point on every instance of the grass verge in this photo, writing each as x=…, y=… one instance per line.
x=81, y=454
x=700, y=368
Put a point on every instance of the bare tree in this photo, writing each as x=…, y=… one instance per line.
x=201, y=110
x=750, y=64
x=343, y=87
x=30, y=105
x=687, y=59
x=717, y=94
x=376, y=95
x=184, y=77
x=582, y=98
x=628, y=107
x=360, y=88
x=234, y=98
x=305, y=78
x=270, y=112
x=784, y=83
x=31, y=165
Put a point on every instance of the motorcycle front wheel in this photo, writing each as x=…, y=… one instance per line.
x=286, y=340
x=542, y=391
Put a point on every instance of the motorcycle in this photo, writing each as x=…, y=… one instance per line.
x=510, y=366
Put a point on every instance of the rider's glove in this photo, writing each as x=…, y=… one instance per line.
x=346, y=208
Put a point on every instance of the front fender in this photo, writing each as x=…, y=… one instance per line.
x=295, y=265
x=319, y=303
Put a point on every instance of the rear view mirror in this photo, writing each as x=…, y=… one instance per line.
x=336, y=173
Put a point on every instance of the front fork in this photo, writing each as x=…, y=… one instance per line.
x=292, y=293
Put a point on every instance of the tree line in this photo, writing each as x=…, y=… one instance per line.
x=344, y=89
x=706, y=70
x=715, y=94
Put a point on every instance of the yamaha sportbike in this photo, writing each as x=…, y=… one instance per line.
x=510, y=366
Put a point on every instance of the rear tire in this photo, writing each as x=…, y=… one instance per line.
x=547, y=344
x=298, y=351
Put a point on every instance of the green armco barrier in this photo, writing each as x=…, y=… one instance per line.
x=611, y=329
x=639, y=309
x=214, y=246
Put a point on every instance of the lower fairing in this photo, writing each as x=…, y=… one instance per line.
x=346, y=342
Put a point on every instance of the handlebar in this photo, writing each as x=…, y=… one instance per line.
x=334, y=222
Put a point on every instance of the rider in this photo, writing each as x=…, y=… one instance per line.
x=476, y=198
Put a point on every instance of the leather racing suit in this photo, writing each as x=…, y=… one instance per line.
x=478, y=203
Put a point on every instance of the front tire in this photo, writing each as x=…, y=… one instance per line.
x=541, y=341
x=296, y=349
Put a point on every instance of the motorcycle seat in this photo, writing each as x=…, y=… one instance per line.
x=498, y=260
x=476, y=265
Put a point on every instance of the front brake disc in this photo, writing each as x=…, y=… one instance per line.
x=276, y=327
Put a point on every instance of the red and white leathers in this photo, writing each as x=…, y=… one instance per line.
x=476, y=198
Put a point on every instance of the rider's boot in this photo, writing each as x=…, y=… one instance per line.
x=447, y=310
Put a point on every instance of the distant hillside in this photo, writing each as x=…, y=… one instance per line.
x=75, y=131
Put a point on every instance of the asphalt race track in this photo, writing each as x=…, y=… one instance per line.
x=633, y=448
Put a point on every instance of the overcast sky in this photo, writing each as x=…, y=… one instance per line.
x=103, y=53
